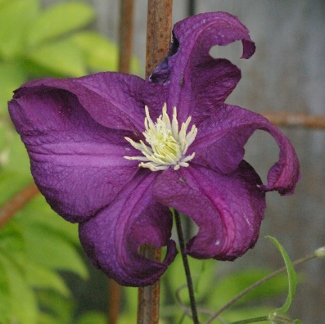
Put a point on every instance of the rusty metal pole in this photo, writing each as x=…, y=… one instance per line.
x=124, y=63
x=159, y=27
x=125, y=35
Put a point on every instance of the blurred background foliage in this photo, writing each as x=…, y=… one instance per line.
x=54, y=42
x=44, y=275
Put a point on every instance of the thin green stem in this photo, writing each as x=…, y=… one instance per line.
x=275, y=319
x=186, y=267
x=252, y=320
x=258, y=283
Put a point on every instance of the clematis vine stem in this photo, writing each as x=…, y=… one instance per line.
x=186, y=266
x=274, y=320
x=159, y=27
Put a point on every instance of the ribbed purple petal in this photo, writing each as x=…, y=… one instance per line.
x=197, y=82
x=220, y=145
x=113, y=100
x=112, y=238
x=77, y=163
x=228, y=209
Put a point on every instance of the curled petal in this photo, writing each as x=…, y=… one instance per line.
x=220, y=145
x=197, y=82
x=228, y=209
x=77, y=163
x=112, y=238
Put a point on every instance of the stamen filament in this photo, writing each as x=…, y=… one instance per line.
x=167, y=144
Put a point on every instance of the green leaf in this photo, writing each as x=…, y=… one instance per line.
x=5, y=138
x=61, y=57
x=12, y=243
x=100, y=53
x=13, y=156
x=44, y=278
x=292, y=279
x=16, y=297
x=92, y=318
x=4, y=295
x=203, y=273
x=129, y=315
x=47, y=248
x=38, y=213
x=59, y=19
x=12, y=76
x=44, y=318
x=228, y=286
x=7, y=189
x=21, y=303
x=2, y=2
x=15, y=16
x=55, y=308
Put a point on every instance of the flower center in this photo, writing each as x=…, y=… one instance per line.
x=167, y=144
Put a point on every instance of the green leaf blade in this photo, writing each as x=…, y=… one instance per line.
x=21, y=302
x=47, y=248
x=12, y=76
x=100, y=53
x=60, y=57
x=292, y=277
x=15, y=17
x=43, y=278
x=58, y=20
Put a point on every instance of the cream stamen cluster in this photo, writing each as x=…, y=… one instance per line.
x=167, y=144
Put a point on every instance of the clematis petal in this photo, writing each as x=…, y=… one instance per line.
x=113, y=100
x=77, y=163
x=197, y=82
x=113, y=237
x=228, y=209
x=220, y=145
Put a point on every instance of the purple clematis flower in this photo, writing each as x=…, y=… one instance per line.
x=113, y=152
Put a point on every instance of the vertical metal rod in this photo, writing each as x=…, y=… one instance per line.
x=114, y=301
x=159, y=26
x=149, y=296
x=125, y=35
x=124, y=63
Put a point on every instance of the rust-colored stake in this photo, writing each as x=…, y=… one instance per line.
x=159, y=27
x=293, y=119
x=124, y=63
x=114, y=301
x=125, y=35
